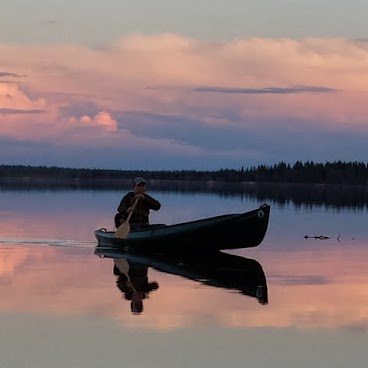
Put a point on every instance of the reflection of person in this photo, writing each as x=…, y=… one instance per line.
x=140, y=216
x=132, y=281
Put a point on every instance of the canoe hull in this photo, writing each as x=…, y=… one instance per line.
x=216, y=233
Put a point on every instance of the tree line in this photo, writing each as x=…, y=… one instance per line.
x=338, y=172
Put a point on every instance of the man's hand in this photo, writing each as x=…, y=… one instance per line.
x=134, y=199
x=139, y=196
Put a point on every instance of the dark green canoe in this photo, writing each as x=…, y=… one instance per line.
x=217, y=269
x=229, y=231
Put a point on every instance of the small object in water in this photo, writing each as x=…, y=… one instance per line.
x=320, y=237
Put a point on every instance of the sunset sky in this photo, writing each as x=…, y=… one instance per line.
x=168, y=84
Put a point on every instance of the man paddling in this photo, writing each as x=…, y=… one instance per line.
x=140, y=215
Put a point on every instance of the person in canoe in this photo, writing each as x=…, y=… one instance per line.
x=140, y=216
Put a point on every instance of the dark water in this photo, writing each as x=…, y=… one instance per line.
x=60, y=305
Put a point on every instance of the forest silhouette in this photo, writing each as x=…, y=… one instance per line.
x=349, y=173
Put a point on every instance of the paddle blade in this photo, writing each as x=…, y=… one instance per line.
x=123, y=230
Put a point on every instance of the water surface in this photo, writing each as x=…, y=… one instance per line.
x=61, y=306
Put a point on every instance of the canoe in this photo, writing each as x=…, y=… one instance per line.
x=230, y=231
x=216, y=269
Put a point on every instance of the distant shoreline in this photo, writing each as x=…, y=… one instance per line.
x=338, y=173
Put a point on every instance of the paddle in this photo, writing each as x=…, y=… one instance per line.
x=123, y=266
x=123, y=230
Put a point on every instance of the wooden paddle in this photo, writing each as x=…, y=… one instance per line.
x=123, y=230
x=123, y=266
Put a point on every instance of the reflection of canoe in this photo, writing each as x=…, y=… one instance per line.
x=217, y=269
x=231, y=231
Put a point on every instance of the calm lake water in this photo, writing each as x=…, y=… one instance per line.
x=60, y=305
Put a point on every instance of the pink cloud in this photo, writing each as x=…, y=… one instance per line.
x=12, y=97
x=161, y=75
x=102, y=119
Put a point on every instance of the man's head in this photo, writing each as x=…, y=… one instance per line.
x=136, y=305
x=139, y=185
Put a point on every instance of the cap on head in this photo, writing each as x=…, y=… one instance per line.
x=136, y=306
x=139, y=180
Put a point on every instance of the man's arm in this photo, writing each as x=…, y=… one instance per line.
x=124, y=204
x=152, y=203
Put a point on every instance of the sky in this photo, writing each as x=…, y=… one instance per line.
x=171, y=85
